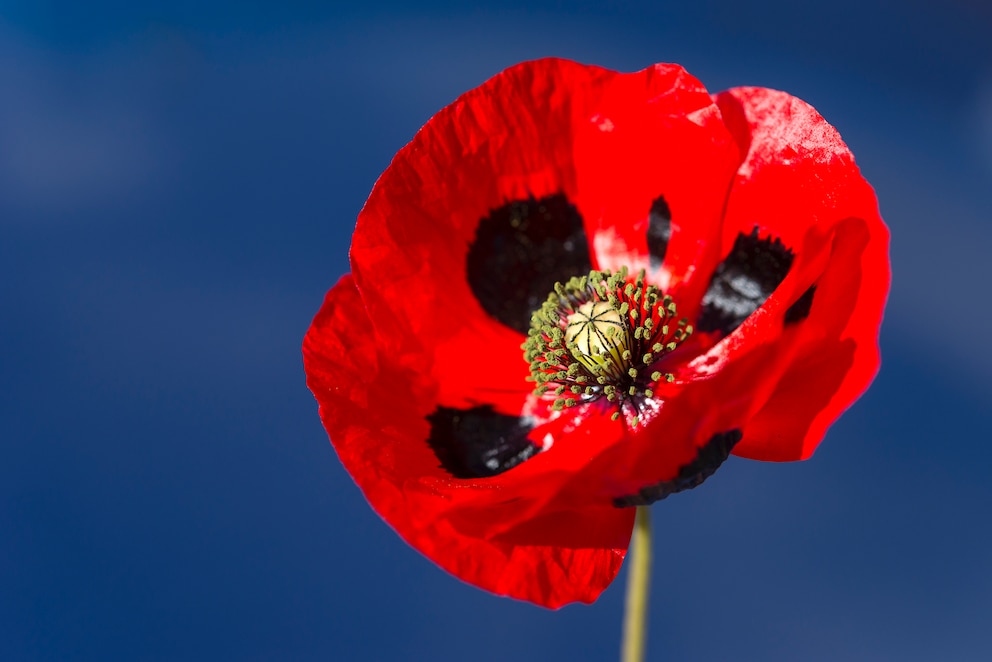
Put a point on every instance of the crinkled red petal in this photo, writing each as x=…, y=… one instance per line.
x=799, y=182
x=655, y=133
x=375, y=414
x=509, y=139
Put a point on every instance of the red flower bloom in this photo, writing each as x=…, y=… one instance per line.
x=745, y=208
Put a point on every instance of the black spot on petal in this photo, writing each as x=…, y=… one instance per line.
x=799, y=311
x=659, y=231
x=478, y=442
x=743, y=281
x=520, y=251
x=708, y=460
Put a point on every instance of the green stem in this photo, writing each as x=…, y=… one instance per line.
x=638, y=589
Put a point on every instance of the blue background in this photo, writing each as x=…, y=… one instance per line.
x=178, y=185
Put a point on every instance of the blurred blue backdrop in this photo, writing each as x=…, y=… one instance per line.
x=178, y=185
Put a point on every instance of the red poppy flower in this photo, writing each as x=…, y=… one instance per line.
x=741, y=215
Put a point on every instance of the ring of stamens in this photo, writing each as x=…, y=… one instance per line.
x=600, y=336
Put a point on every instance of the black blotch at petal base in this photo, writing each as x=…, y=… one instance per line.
x=520, y=251
x=708, y=459
x=659, y=231
x=479, y=442
x=743, y=281
x=799, y=311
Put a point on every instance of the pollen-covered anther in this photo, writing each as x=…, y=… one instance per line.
x=600, y=337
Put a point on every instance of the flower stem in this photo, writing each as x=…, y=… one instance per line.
x=638, y=589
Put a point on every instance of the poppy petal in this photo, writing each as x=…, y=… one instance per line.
x=799, y=185
x=467, y=231
x=654, y=162
x=376, y=414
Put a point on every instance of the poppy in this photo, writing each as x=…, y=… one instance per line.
x=577, y=291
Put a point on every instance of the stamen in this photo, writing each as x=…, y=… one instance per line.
x=600, y=336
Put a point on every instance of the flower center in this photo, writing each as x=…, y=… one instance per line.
x=601, y=336
x=597, y=337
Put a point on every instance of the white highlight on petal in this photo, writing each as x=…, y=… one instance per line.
x=604, y=124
